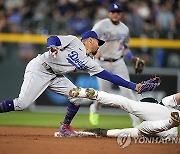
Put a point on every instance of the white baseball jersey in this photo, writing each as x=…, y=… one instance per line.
x=114, y=35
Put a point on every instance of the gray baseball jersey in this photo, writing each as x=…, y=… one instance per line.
x=45, y=71
x=114, y=35
x=71, y=56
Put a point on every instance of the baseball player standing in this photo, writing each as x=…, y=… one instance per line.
x=110, y=56
x=65, y=54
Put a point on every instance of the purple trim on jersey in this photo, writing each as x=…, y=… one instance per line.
x=53, y=41
x=116, y=79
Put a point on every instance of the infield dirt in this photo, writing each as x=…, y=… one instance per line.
x=32, y=140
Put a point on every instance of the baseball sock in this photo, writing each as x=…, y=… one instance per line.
x=71, y=112
x=6, y=106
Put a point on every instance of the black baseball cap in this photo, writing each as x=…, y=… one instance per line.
x=92, y=34
x=115, y=7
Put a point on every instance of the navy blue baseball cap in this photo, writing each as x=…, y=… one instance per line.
x=115, y=7
x=92, y=34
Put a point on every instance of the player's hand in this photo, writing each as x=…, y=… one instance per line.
x=53, y=51
x=138, y=86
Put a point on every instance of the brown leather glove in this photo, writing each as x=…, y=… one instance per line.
x=138, y=65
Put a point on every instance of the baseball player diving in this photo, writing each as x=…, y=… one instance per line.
x=65, y=54
x=111, y=56
x=160, y=120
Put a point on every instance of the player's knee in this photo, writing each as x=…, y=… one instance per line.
x=20, y=105
x=76, y=101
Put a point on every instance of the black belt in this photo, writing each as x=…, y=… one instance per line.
x=109, y=59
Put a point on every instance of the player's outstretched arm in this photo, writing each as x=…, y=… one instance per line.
x=142, y=87
x=106, y=75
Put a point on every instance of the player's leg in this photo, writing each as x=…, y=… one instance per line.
x=103, y=86
x=123, y=72
x=35, y=82
x=132, y=132
x=144, y=110
x=128, y=93
x=96, y=106
x=62, y=85
x=162, y=128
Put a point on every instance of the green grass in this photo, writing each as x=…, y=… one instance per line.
x=37, y=119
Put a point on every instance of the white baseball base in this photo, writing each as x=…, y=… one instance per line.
x=79, y=134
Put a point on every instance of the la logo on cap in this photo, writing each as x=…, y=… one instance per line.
x=115, y=6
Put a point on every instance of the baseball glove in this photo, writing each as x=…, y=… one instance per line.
x=150, y=84
x=138, y=65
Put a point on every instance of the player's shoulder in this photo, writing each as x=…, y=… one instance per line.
x=103, y=21
x=71, y=37
x=68, y=40
x=124, y=26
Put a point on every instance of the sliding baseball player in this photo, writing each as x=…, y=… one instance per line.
x=160, y=120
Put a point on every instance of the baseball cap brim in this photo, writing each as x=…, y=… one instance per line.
x=92, y=34
x=101, y=42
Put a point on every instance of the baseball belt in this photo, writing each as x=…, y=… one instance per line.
x=109, y=59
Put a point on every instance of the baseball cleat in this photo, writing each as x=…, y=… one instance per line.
x=91, y=93
x=175, y=119
x=94, y=118
x=74, y=92
x=83, y=93
x=66, y=131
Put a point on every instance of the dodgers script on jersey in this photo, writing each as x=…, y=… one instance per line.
x=71, y=56
x=114, y=35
